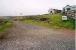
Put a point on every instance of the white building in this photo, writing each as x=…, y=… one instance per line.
x=54, y=11
x=51, y=11
x=70, y=11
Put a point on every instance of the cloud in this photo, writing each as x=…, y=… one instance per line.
x=29, y=7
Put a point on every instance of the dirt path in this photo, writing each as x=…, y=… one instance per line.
x=28, y=37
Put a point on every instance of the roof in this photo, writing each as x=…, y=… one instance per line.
x=73, y=7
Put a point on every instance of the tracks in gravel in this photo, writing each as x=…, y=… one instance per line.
x=29, y=37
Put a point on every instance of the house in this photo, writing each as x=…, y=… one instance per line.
x=69, y=11
x=54, y=11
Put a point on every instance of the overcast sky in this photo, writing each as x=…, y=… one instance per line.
x=31, y=7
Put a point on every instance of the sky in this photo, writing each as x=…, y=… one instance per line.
x=31, y=7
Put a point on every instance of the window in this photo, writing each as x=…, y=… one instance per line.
x=68, y=9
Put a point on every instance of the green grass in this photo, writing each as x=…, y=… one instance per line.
x=55, y=21
x=33, y=22
x=5, y=26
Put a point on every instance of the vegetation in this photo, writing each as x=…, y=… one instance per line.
x=5, y=25
x=54, y=21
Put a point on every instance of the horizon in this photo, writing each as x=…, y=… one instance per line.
x=31, y=7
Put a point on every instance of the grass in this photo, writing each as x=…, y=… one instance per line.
x=5, y=26
x=55, y=21
x=33, y=22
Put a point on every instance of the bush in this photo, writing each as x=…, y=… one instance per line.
x=1, y=21
x=44, y=19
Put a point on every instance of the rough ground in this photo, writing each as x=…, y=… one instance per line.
x=29, y=37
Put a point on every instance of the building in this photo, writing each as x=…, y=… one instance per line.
x=54, y=11
x=70, y=11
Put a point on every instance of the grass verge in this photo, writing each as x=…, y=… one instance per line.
x=4, y=27
x=55, y=21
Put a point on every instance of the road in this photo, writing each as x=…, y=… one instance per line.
x=29, y=37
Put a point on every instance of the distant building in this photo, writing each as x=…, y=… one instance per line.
x=70, y=11
x=54, y=11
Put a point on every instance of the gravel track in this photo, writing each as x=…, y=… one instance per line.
x=29, y=37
